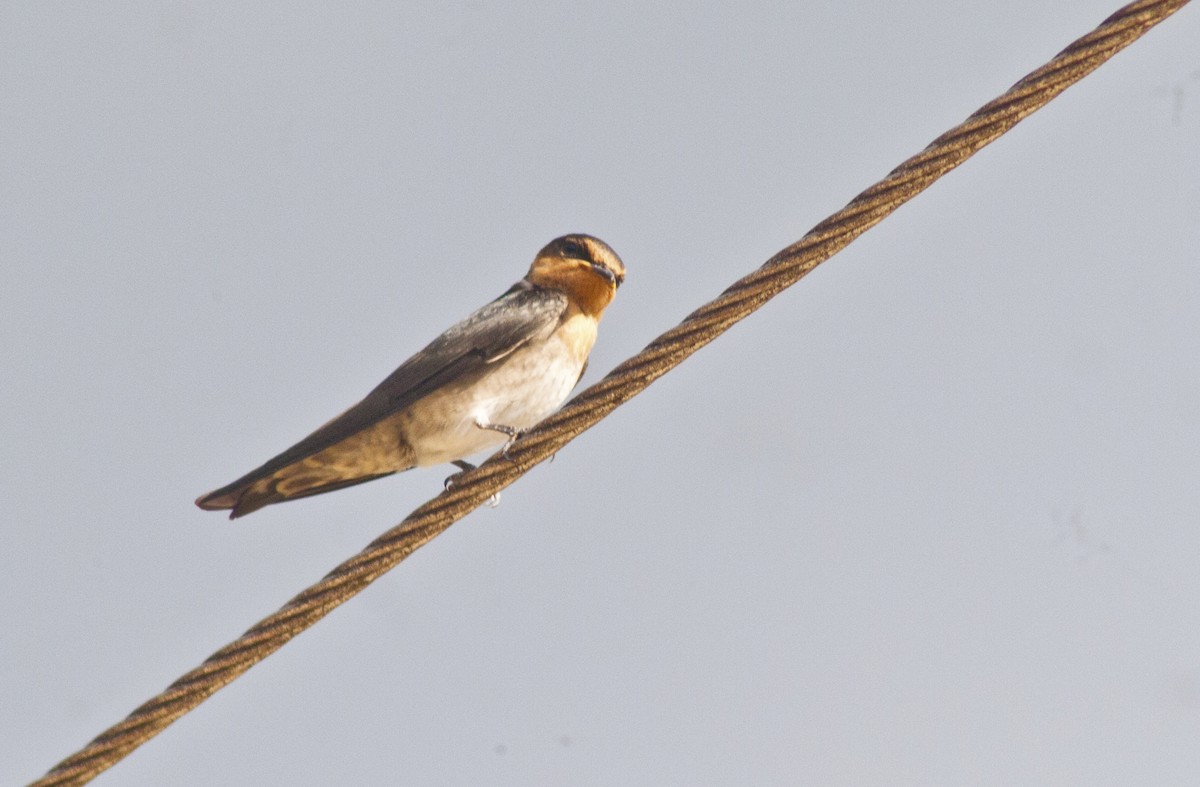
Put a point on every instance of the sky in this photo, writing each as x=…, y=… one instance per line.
x=929, y=517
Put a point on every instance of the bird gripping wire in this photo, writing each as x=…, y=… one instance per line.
x=473, y=488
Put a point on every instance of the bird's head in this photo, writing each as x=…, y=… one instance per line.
x=585, y=268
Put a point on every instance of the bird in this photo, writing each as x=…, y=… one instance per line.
x=480, y=384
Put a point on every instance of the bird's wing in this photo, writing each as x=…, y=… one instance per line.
x=457, y=356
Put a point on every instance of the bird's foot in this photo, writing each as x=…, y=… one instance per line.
x=511, y=432
x=463, y=467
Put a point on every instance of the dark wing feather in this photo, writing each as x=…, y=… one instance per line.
x=458, y=355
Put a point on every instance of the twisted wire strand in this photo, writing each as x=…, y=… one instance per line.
x=744, y=296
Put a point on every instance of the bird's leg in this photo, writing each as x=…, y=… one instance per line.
x=463, y=466
x=511, y=432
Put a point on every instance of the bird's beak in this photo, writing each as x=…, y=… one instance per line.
x=607, y=273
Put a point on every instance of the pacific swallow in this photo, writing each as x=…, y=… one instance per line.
x=481, y=383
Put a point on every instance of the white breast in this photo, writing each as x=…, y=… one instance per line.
x=520, y=391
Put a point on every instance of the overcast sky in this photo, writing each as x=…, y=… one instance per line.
x=930, y=517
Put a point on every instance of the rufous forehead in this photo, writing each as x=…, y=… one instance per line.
x=602, y=251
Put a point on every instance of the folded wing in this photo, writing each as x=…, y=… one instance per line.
x=348, y=451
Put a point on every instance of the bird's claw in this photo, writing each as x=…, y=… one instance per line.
x=510, y=432
x=462, y=468
x=509, y=444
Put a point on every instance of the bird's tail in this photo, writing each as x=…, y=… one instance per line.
x=288, y=484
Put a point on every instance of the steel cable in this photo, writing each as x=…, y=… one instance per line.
x=703, y=325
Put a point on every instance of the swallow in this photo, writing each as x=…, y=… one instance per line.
x=482, y=383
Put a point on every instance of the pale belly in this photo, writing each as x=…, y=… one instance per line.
x=523, y=389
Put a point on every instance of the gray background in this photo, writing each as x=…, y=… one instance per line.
x=930, y=517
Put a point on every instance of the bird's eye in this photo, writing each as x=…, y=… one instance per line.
x=573, y=250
